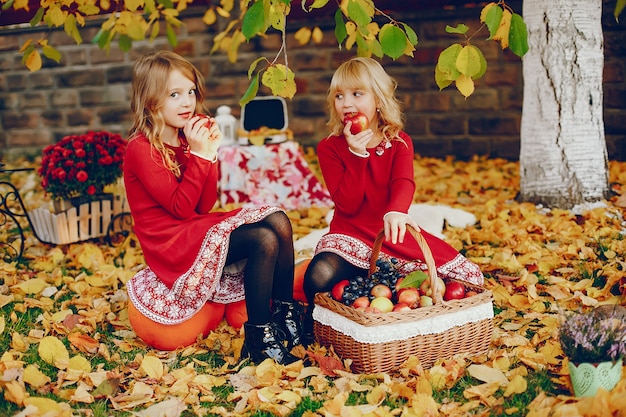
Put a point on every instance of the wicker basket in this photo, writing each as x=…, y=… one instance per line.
x=381, y=342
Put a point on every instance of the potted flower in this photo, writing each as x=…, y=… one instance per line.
x=80, y=166
x=595, y=344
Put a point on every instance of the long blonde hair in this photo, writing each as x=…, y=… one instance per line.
x=149, y=81
x=369, y=75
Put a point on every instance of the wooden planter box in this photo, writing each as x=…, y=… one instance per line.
x=76, y=224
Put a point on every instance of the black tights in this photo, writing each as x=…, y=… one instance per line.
x=326, y=269
x=268, y=247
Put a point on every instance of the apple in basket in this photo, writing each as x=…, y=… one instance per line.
x=337, y=290
x=361, y=303
x=382, y=304
x=359, y=121
x=381, y=290
x=401, y=307
x=454, y=291
x=425, y=301
x=425, y=288
x=409, y=296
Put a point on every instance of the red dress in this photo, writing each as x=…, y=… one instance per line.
x=364, y=189
x=184, y=244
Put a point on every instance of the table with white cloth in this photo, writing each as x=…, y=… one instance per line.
x=272, y=174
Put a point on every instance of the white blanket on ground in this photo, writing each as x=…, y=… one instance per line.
x=430, y=217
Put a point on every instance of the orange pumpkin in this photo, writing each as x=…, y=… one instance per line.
x=236, y=314
x=170, y=337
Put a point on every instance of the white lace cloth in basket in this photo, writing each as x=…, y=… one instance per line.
x=402, y=331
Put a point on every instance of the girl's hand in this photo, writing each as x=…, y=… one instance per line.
x=203, y=135
x=358, y=142
x=395, y=226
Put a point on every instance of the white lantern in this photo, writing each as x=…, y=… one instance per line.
x=228, y=125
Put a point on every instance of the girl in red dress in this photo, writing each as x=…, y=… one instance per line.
x=370, y=178
x=196, y=256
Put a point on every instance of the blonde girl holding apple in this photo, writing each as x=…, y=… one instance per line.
x=197, y=258
x=370, y=177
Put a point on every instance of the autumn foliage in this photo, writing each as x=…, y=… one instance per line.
x=67, y=343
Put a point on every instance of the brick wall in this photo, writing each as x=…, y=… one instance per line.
x=89, y=89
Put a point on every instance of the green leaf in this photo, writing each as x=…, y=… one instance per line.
x=253, y=89
x=317, y=4
x=358, y=14
x=171, y=35
x=392, y=40
x=36, y=19
x=340, y=28
x=281, y=80
x=72, y=30
x=125, y=43
x=518, y=36
x=51, y=53
x=135, y=31
x=167, y=4
x=414, y=279
x=410, y=34
x=492, y=19
x=7, y=5
x=447, y=62
x=619, y=7
x=441, y=78
x=468, y=61
x=253, y=66
x=254, y=20
x=460, y=29
x=483, y=63
x=149, y=6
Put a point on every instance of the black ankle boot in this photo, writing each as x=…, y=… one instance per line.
x=261, y=341
x=308, y=334
x=288, y=316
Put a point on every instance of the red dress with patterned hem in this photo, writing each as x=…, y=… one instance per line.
x=364, y=189
x=183, y=242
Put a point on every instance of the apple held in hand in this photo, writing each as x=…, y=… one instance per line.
x=205, y=119
x=359, y=121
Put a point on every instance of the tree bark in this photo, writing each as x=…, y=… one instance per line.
x=563, y=156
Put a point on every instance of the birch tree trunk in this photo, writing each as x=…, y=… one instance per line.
x=563, y=156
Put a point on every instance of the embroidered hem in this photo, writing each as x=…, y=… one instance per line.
x=359, y=253
x=207, y=279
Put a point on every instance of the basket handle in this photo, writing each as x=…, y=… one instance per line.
x=428, y=259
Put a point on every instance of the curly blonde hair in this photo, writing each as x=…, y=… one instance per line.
x=150, y=76
x=369, y=75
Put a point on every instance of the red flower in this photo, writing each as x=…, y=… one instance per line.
x=82, y=176
x=82, y=165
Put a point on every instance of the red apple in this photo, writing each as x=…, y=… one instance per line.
x=203, y=117
x=359, y=122
x=401, y=307
x=409, y=296
x=361, y=302
x=454, y=291
x=381, y=290
x=337, y=291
